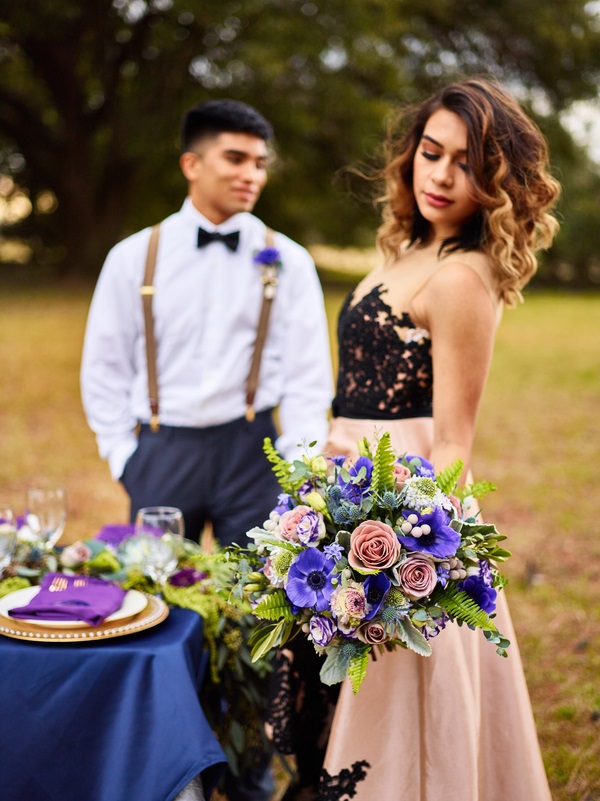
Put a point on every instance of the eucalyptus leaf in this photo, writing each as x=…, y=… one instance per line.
x=335, y=668
x=413, y=638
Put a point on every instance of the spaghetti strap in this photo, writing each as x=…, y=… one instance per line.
x=489, y=289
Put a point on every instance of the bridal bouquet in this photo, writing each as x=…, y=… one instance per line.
x=369, y=555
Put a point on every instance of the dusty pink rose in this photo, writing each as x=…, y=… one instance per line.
x=373, y=546
x=456, y=503
x=75, y=554
x=372, y=633
x=401, y=473
x=288, y=523
x=417, y=577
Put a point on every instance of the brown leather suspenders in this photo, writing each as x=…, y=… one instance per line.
x=269, y=281
x=147, y=293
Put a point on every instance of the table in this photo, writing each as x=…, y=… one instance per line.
x=118, y=720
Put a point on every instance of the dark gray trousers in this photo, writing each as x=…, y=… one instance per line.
x=217, y=474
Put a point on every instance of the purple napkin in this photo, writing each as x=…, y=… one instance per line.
x=115, y=533
x=64, y=597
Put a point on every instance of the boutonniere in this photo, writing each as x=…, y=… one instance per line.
x=267, y=257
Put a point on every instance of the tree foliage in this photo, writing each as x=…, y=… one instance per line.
x=91, y=96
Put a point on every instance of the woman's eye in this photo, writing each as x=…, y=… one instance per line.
x=463, y=166
x=428, y=155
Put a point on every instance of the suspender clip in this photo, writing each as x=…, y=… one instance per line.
x=250, y=413
x=154, y=424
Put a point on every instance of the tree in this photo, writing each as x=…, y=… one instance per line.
x=91, y=95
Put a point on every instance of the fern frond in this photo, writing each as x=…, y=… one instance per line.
x=357, y=669
x=281, y=467
x=462, y=607
x=274, y=607
x=383, y=465
x=447, y=479
x=477, y=490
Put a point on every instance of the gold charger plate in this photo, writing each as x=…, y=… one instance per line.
x=155, y=612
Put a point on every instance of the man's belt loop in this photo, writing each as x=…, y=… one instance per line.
x=269, y=281
x=147, y=291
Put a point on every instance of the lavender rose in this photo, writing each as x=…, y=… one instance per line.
x=75, y=554
x=310, y=528
x=322, y=630
x=373, y=546
x=417, y=576
x=372, y=633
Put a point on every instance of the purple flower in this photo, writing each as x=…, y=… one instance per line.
x=338, y=460
x=186, y=577
x=443, y=574
x=284, y=503
x=478, y=590
x=377, y=587
x=309, y=580
x=310, y=528
x=421, y=465
x=433, y=534
x=322, y=630
x=354, y=490
x=485, y=573
x=305, y=489
x=335, y=550
x=268, y=256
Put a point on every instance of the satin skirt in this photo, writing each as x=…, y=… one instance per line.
x=455, y=726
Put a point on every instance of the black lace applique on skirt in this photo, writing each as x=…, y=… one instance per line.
x=343, y=785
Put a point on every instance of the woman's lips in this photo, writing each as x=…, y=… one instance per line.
x=438, y=201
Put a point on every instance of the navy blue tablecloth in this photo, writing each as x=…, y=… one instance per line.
x=113, y=721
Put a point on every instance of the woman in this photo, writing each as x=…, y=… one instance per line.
x=466, y=207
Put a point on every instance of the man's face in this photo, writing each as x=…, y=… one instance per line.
x=226, y=174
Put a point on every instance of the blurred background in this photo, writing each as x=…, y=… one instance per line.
x=91, y=98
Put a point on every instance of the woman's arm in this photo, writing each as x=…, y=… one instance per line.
x=462, y=321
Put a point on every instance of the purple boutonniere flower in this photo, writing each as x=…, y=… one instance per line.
x=271, y=257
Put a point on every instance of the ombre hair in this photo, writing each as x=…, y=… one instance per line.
x=508, y=174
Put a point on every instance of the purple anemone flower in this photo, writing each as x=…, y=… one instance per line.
x=478, y=590
x=309, y=580
x=353, y=491
x=421, y=465
x=377, y=587
x=441, y=540
x=338, y=460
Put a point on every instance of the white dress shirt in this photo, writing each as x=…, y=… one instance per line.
x=206, y=307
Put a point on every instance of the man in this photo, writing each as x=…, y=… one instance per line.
x=205, y=456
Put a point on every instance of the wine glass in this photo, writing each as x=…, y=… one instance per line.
x=8, y=536
x=47, y=514
x=159, y=540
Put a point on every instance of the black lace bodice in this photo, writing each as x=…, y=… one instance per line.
x=385, y=368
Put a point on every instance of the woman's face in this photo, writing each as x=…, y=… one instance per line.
x=440, y=174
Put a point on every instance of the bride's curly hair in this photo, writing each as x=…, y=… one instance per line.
x=509, y=177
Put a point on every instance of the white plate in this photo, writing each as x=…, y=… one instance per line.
x=133, y=603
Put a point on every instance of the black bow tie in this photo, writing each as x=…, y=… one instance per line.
x=230, y=241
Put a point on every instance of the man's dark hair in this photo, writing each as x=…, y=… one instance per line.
x=222, y=116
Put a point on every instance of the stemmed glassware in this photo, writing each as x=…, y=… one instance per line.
x=8, y=536
x=158, y=536
x=47, y=514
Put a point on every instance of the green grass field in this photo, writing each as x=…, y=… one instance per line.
x=538, y=440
